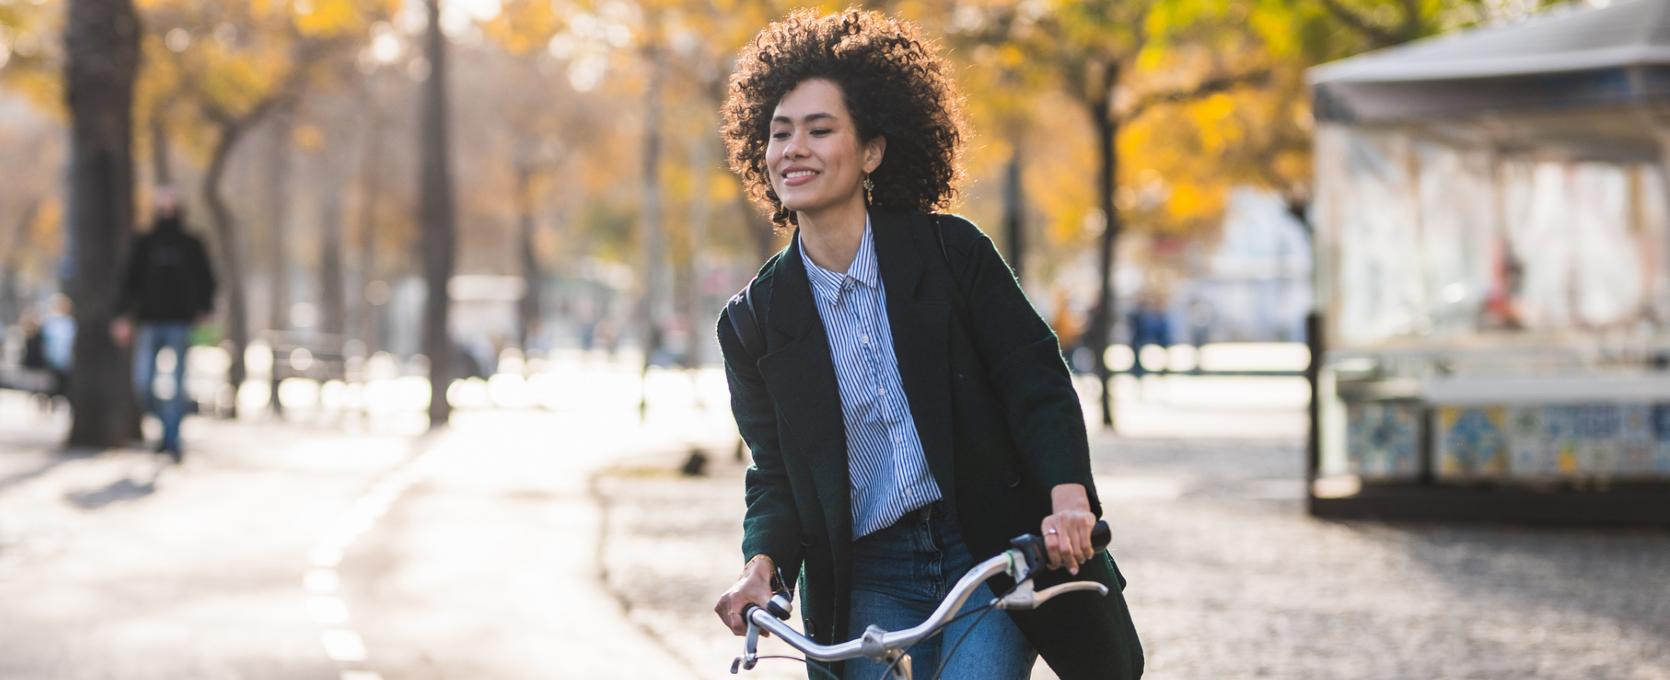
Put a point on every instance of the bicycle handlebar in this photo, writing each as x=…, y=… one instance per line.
x=1018, y=562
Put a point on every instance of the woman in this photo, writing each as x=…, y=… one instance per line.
x=908, y=412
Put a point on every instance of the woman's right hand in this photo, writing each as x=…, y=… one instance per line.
x=753, y=587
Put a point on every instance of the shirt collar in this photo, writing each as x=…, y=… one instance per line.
x=827, y=284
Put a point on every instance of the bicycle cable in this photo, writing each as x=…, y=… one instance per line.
x=982, y=611
x=946, y=660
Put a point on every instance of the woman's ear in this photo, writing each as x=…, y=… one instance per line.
x=874, y=150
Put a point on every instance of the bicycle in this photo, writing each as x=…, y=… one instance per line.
x=1019, y=562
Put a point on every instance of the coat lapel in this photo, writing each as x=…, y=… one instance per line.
x=800, y=375
x=919, y=315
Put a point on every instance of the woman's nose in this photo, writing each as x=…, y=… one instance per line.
x=794, y=146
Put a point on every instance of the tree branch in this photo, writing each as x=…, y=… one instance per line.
x=1353, y=19
x=1410, y=28
x=1201, y=90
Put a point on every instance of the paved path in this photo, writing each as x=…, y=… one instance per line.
x=288, y=551
x=119, y=565
x=486, y=566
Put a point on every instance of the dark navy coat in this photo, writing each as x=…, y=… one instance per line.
x=992, y=401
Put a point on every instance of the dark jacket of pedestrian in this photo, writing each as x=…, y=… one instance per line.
x=168, y=276
x=999, y=420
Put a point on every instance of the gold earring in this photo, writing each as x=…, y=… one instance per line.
x=869, y=186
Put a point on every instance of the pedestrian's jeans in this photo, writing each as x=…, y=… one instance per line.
x=901, y=573
x=152, y=337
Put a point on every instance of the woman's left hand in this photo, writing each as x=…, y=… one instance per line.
x=1067, y=530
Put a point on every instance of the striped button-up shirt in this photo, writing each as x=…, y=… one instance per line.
x=885, y=463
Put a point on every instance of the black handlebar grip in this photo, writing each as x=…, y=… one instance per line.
x=1100, y=535
x=1032, y=546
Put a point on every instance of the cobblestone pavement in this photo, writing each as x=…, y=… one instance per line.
x=1229, y=578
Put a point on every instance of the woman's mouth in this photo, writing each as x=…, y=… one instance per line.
x=796, y=178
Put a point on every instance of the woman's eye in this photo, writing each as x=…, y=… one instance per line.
x=779, y=135
x=821, y=132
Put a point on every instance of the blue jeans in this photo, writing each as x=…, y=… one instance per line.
x=901, y=573
x=151, y=338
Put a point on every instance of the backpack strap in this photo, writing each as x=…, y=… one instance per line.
x=745, y=322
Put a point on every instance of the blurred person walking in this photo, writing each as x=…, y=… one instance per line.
x=34, y=359
x=58, y=343
x=167, y=288
x=1149, y=326
x=908, y=410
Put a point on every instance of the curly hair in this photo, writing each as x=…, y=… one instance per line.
x=894, y=83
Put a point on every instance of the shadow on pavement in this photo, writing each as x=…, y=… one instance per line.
x=121, y=490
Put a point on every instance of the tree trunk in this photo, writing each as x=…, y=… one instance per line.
x=690, y=273
x=162, y=161
x=278, y=218
x=1014, y=209
x=9, y=307
x=528, y=309
x=370, y=195
x=651, y=217
x=1107, y=301
x=225, y=228
x=436, y=216
x=101, y=41
x=332, y=301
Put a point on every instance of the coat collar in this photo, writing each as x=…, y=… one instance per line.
x=827, y=285
x=897, y=259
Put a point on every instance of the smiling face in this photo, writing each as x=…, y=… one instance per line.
x=815, y=158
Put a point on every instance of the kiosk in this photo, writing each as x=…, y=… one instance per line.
x=1493, y=274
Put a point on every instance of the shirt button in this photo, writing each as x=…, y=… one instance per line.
x=898, y=440
x=864, y=339
x=881, y=392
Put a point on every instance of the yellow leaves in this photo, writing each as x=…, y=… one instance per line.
x=1060, y=172
x=44, y=228
x=1011, y=56
x=525, y=26
x=327, y=17
x=1276, y=28
x=28, y=65
x=42, y=87
x=235, y=82
x=1193, y=205
x=1214, y=123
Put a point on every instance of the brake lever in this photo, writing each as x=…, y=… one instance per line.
x=750, y=650
x=1047, y=594
x=1024, y=597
